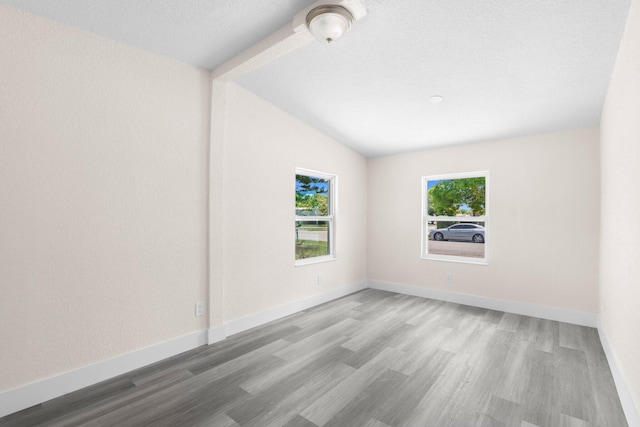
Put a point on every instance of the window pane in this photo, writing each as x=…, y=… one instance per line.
x=456, y=239
x=312, y=196
x=312, y=239
x=460, y=197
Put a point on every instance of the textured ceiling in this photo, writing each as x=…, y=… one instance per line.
x=204, y=33
x=505, y=68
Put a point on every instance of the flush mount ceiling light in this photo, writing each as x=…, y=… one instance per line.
x=328, y=23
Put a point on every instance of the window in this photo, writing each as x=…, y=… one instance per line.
x=315, y=207
x=455, y=217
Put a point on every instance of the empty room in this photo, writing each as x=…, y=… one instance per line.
x=319, y=213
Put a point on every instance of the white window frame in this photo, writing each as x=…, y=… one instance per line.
x=330, y=218
x=426, y=218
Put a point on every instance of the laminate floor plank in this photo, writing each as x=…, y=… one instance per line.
x=219, y=419
x=318, y=383
x=166, y=376
x=370, y=331
x=237, y=349
x=394, y=410
x=370, y=401
x=470, y=335
x=315, y=321
x=299, y=421
x=422, y=312
x=320, y=325
x=547, y=336
x=516, y=374
x=375, y=423
x=509, y=322
x=387, y=338
x=436, y=408
x=540, y=407
x=323, y=409
x=341, y=331
x=419, y=338
x=501, y=412
x=373, y=358
x=492, y=316
x=330, y=352
x=571, y=336
x=573, y=390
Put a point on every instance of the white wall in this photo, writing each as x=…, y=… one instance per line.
x=544, y=217
x=103, y=198
x=620, y=228
x=263, y=147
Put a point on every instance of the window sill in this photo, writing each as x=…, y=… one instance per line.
x=315, y=260
x=463, y=260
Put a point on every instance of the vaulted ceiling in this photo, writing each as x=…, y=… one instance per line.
x=503, y=68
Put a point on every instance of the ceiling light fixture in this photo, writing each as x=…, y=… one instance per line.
x=436, y=99
x=328, y=23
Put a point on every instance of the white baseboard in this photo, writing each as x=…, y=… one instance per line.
x=25, y=396
x=262, y=317
x=216, y=334
x=543, y=312
x=626, y=400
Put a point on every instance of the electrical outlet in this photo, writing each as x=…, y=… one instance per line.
x=449, y=278
x=200, y=307
x=319, y=281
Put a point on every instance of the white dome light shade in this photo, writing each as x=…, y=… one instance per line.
x=329, y=23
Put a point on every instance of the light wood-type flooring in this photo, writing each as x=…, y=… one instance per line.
x=372, y=359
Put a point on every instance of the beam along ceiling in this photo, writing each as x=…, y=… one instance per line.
x=503, y=68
